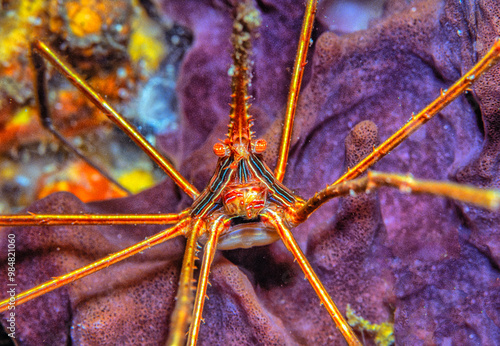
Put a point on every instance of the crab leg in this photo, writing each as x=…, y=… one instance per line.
x=96, y=266
x=426, y=114
x=484, y=198
x=90, y=219
x=46, y=120
x=274, y=219
x=209, y=251
x=180, y=318
x=41, y=48
x=293, y=93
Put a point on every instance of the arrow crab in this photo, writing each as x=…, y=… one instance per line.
x=255, y=296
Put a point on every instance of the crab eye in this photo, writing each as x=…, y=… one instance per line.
x=220, y=149
x=259, y=146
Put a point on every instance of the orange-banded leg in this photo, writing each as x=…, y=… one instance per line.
x=43, y=50
x=116, y=257
x=181, y=315
x=485, y=198
x=274, y=219
x=46, y=120
x=293, y=92
x=463, y=84
x=219, y=224
x=90, y=219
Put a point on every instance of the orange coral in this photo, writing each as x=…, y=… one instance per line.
x=81, y=180
x=84, y=18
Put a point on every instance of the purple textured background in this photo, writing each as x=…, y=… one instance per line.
x=428, y=264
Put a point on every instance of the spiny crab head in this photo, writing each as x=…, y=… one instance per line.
x=245, y=200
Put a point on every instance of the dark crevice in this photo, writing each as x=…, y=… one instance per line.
x=151, y=10
x=5, y=340
x=471, y=100
x=265, y=271
x=264, y=7
x=465, y=233
x=242, y=220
